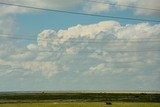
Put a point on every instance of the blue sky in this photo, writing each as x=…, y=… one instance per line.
x=76, y=52
x=52, y=20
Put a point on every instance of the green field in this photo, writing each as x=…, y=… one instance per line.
x=78, y=104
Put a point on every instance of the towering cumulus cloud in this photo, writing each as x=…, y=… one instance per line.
x=105, y=43
x=91, y=51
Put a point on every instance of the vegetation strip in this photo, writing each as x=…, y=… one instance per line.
x=78, y=97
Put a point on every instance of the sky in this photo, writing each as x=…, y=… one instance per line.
x=56, y=51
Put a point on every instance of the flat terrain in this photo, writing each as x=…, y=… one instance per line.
x=78, y=97
x=48, y=99
x=78, y=104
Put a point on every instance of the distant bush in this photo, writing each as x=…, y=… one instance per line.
x=108, y=103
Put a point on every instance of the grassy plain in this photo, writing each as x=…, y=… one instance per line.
x=79, y=104
x=79, y=97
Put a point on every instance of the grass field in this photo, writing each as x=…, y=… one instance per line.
x=86, y=104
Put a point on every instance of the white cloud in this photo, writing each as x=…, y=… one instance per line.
x=98, y=69
x=52, y=4
x=22, y=56
x=86, y=31
x=6, y=69
x=90, y=7
x=90, y=46
x=71, y=50
x=47, y=68
x=125, y=4
x=151, y=4
x=96, y=8
x=45, y=37
x=143, y=30
x=32, y=47
x=7, y=25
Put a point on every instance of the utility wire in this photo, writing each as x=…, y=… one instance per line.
x=80, y=13
x=78, y=41
x=84, y=52
x=93, y=51
x=81, y=59
x=121, y=5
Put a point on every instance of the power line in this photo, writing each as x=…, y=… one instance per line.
x=19, y=38
x=59, y=52
x=113, y=66
x=79, y=13
x=122, y=5
x=84, y=52
x=93, y=51
x=113, y=51
x=122, y=62
x=87, y=52
x=9, y=36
